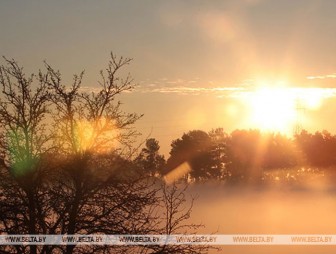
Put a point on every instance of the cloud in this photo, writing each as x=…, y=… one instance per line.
x=187, y=87
x=195, y=87
x=329, y=76
x=196, y=90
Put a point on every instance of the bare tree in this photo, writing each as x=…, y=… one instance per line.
x=175, y=215
x=23, y=141
x=80, y=179
x=89, y=124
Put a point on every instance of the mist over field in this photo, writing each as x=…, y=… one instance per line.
x=266, y=210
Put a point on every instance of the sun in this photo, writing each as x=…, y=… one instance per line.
x=272, y=109
x=279, y=107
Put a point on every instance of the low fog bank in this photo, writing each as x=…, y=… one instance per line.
x=303, y=209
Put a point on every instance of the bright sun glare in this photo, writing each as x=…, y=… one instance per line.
x=279, y=108
x=272, y=109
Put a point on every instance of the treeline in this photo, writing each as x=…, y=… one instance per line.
x=241, y=155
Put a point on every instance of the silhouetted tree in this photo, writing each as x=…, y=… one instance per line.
x=219, y=151
x=245, y=150
x=175, y=216
x=319, y=148
x=150, y=160
x=279, y=152
x=23, y=141
x=194, y=147
x=251, y=152
x=88, y=124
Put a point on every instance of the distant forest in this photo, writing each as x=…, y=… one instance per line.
x=242, y=155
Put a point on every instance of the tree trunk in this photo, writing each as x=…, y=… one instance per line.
x=32, y=218
x=72, y=218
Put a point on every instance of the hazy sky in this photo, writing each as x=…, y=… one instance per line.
x=193, y=60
